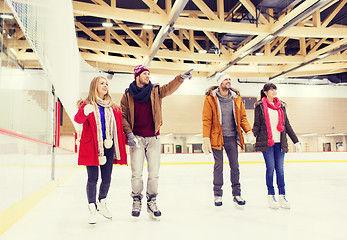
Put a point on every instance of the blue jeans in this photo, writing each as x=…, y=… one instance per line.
x=274, y=159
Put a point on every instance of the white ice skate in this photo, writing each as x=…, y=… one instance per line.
x=239, y=202
x=92, y=213
x=273, y=202
x=102, y=209
x=284, y=203
x=218, y=201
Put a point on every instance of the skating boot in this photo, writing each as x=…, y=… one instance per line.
x=273, y=202
x=152, y=208
x=218, y=201
x=284, y=203
x=102, y=208
x=136, y=206
x=92, y=213
x=239, y=200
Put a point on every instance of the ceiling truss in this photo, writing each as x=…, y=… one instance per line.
x=203, y=39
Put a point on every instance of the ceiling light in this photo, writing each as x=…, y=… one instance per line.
x=107, y=24
x=6, y=16
x=335, y=134
x=202, y=51
x=309, y=134
x=259, y=54
x=148, y=27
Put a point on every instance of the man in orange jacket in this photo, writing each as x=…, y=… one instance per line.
x=223, y=117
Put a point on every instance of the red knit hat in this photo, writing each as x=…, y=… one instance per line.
x=139, y=69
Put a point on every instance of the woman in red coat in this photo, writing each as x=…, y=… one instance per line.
x=102, y=143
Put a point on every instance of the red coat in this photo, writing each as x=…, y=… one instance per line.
x=88, y=152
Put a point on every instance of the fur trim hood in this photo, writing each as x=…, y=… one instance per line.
x=234, y=92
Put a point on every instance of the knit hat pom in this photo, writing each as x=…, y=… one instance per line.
x=139, y=69
x=271, y=142
x=102, y=160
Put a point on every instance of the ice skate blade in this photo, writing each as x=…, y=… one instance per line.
x=151, y=215
x=240, y=207
x=107, y=217
x=135, y=214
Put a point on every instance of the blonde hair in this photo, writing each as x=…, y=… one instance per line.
x=93, y=92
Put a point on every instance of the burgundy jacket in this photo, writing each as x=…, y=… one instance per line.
x=88, y=151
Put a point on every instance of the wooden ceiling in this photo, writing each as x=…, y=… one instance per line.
x=247, y=39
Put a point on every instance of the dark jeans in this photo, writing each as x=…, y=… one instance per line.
x=93, y=175
x=230, y=146
x=274, y=159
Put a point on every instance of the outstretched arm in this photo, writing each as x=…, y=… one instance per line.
x=172, y=86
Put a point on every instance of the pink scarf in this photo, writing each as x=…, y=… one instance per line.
x=275, y=106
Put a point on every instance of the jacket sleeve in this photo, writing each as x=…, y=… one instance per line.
x=244, y=122
x=289, y=128
x=171, y=87
x=80, y=118
x=124, y=104
x=256, y=125
x=206, y=119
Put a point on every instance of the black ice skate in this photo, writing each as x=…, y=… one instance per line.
x=239, y=200
x=152, y=208
x=136, y=206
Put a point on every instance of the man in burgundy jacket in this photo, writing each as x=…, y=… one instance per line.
x=142, y=118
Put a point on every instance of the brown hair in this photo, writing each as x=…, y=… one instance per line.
x=266, y=88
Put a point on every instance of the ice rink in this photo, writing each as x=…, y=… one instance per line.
x=315, y=184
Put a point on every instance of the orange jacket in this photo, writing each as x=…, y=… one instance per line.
x=212, y=119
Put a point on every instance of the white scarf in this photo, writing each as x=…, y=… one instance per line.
x=111, y=130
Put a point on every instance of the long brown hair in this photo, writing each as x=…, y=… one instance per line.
x=93, y=92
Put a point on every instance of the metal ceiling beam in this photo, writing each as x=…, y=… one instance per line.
x=165, y=30
x=342, y=48
x=288, y=21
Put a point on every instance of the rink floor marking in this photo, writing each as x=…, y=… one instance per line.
x=13, y=214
